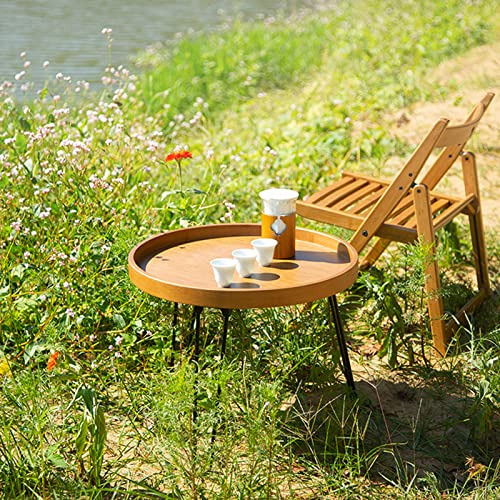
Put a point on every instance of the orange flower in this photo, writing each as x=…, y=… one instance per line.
x=52, y=361
x=178, y=155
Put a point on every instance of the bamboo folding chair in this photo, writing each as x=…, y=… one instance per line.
x=406, y=208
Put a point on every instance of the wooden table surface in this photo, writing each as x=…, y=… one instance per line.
x=176, y=266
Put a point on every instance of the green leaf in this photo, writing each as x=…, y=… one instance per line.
x=25, y=124
x=56, y=459
x=119, y=321
x=21, y=143
x=32, y=349
x=26, y=303
x=81, y=438
x=18, y=271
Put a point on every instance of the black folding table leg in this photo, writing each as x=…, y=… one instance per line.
x=174, y=327
x=197, y=314
x=334, y=308
x=197, y=319
x=226, y=313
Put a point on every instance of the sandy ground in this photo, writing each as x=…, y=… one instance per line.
x=473, y=74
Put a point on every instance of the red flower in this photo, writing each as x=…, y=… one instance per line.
x=52, y=361
x=178, y=155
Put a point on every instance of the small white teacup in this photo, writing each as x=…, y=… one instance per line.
x=265, y=250
x=245, y=261
x=223, y=271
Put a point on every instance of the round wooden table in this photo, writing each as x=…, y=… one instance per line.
x=176, y=266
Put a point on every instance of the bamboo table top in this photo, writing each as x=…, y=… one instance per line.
x=176, y=266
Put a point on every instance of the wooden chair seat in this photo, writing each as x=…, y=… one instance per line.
x=408, y=208
x=348, y=200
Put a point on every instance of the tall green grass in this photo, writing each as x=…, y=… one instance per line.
x=370, y=44
x=84, y=180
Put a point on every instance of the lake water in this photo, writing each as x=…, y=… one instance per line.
x=68, y=32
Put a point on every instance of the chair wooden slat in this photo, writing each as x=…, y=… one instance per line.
x=402, y=206
x=316, y=197
x=436, y=206
x=357, y=196
x=367, y=202
x=368, y=178
x=451, y=212
x=340, y=194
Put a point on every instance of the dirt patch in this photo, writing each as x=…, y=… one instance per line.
x=424, y=424
x=472, y=74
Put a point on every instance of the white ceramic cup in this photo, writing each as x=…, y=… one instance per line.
x=245, y=261
x=223, y=271
x=265, y=250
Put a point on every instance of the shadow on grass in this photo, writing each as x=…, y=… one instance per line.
x=398, y=431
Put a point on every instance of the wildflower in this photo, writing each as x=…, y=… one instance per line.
x=118, y=340
x=45, y=64
x=92, y=337
x=19, y=75
x=52, y=361
x=27, y=64
x=178, y=155
x=22, y=54
x=70, y=313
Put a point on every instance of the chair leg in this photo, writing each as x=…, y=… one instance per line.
x=374, y=253
x=425, y=230
x=471, y=182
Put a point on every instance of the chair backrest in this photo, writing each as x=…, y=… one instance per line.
x=442, y=135
x=453, y=140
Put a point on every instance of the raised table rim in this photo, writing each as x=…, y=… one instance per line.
x=243, y=298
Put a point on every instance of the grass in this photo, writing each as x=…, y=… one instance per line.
x=84, y=179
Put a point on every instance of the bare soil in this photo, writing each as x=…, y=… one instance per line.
x=472, y=75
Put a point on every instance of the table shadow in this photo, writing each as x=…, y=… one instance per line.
x=244, y=285
x=284, y=265
x=341, y=256
x=265, y=276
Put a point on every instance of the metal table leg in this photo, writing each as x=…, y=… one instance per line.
x=334, y=308
x=174, y=326
x=197, y=319
x=226, y=313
